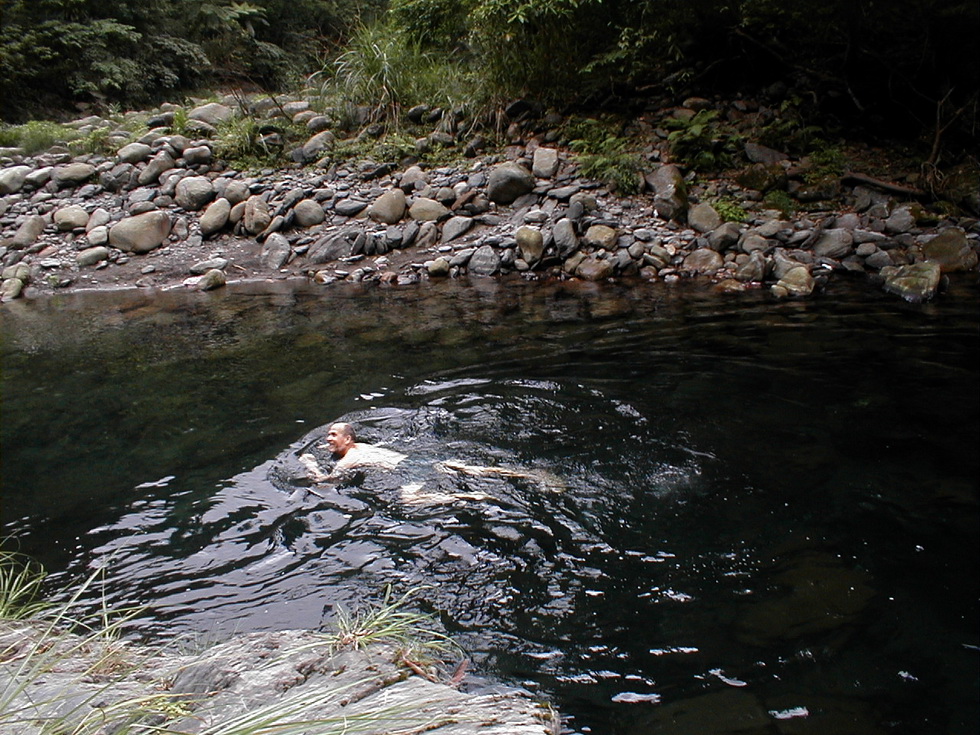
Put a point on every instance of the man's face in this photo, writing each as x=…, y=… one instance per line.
x=337, y=441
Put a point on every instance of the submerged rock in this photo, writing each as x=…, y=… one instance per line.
x=818, y=594
x=915, y=283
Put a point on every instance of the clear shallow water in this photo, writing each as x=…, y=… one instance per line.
x=748, y=510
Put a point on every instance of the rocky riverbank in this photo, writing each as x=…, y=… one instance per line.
x=289, y=681
x=165, y=211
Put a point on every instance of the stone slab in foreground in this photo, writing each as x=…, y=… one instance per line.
x=289, y=676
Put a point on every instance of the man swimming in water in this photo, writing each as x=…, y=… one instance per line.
x=349, y=453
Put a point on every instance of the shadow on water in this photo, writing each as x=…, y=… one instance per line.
x=716, y=514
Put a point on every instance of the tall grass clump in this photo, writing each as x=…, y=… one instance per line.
x=387, y=70
x=37, y=136
x=21, y=581
x=413, y=634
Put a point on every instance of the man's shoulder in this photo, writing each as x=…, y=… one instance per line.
x=363, y=455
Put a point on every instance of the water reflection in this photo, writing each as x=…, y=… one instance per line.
x=739, y=511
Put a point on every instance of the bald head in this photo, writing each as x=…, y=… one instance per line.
x=340, y=438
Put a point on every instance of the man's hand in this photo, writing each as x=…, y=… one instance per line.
x=313, y=470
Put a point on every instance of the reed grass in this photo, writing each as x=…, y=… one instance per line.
x=64, y=671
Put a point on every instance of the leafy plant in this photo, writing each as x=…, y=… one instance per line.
x=702, y=142
x=827, y=161
x=604, y=155
x=782, y=201
x=729, y=209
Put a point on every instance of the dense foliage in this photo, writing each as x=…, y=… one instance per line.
x=906, y=64
x=56, y=52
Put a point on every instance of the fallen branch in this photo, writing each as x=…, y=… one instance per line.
x=884, y=185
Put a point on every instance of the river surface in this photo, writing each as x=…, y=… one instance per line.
x=723, y=514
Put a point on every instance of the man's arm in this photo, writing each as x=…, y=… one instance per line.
x=313, y=469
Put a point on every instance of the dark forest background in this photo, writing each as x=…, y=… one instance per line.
x=907, y=67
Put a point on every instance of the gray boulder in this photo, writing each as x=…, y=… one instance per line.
x=161, y=162
x=197, y=155
x=211, y=280
x=72, y=217
x=753, y=270
x=275, y=251
x=28, y=232
x=91, y=256
x=566, y=239
x=601, y=236
x=703, y=217
x=530, y=243
x=438, y=268
x=951, y=250
x=215, y=217
x=388, y=208
x=194, y=192
x=545, y=163
x=424, y=209
x=308, y=213
x=724, y=236
x=704, y=260
x=783, y=263
x=39, y=177
x=235, y=192
x=256, y=217
x=134, y=153
x=98, y=235
x=796, y=282
x=757, y=153
x=10, y=289
x=899, y=221
x=332, y=247
x=834, y=243
x=507, y=182
x=484, y=262
x=203, y=266
x=455, y=227
x=413, y=178
x=593, y=269
x=72, y=174
x=669, y=192
x=211, y=114
x=141, y=233
x=13, y=178
x=317, y=145
x=349, y=207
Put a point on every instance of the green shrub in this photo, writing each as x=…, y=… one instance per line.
x=826, y=161
x=604, y=155
x=702, y=142
x=249, y=143
x=37, y=136
x=729, y=209
x=782, y=201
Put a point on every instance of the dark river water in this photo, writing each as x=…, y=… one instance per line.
x=726, y=514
